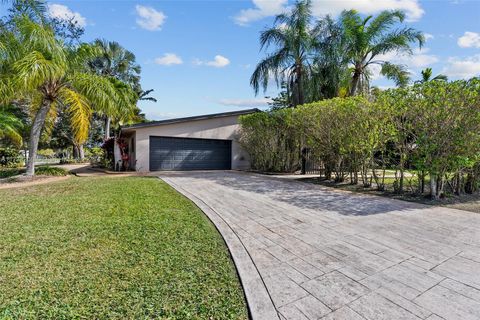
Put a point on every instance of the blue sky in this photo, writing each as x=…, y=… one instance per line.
x=198, y=55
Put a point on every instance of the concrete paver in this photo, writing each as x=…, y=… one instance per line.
x=321, y=253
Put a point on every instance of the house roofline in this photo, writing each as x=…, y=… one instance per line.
x=193, y=118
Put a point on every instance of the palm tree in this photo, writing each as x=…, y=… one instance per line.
x=289, y=62
x=368, y=38
x=330, y=73
x=427, y=76
x=42, y=70
x=116, y=62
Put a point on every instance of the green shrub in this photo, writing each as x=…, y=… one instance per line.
x=10, y=157
x=50, y=171
x=430, y=129
x=46, y=153
x=10, y=172
x=95, y=155
x=272, y=140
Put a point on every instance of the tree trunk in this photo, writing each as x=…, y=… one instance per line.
x=355, y=81
x=107, y=127
x=301, y=95
x=470, y=183
x=35, y=133
x=433, y=187
x=75, y=151
x=81, y=152
x=78, y=152
x=400, y=185
x=422, y=182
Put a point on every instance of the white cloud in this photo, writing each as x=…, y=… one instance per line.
x=465, y=68
x=250, y=103
x=412, y=8
x=60, y=11
x=428, y=36
x=218, y=62
x=168, y=59
x=469, y=40
x=418, y=59
x=263, y=8
x=149, y=18
x=374, y=70
x=267, y=8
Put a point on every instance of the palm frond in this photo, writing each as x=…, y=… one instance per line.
x=399, y=41
x=10, y=127
x=40, y=38
x=34, y=69
x=383, y=21
x=271, y=36
x=79, y=57
x=98, y=90
x=79, y=111
x=440, y=77
x=270, y=67
x=397, y=73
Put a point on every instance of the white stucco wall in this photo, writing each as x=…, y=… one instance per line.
x=226, y=128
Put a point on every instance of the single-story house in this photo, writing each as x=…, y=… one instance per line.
x=206, y=142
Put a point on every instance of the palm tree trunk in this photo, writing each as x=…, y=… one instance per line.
x=78, y=152
x=75, y=151
x=107, y=127
x=301, y=94
x=35, y=133
x=81, y=152
x=355, y=81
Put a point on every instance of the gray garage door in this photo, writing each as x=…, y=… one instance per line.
x=168, y=153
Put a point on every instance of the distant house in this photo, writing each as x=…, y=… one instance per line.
x=207, y=142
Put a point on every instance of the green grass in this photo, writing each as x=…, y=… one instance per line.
x=112, y=248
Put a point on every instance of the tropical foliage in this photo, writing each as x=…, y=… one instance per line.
x=289, y=62
x=118, y=64
x=429, y=129
x=46, y=71
x=10, y=126
x=427, y=76
x=326, y=58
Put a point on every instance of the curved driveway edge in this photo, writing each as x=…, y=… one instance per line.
x=259, y=302
x=320, y=253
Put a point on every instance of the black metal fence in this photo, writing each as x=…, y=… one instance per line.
x=310, y=165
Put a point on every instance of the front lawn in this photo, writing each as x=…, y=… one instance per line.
x=105, y=248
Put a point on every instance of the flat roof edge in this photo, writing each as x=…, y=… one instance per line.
x=193, y=118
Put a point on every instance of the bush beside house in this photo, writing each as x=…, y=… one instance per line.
x=428, y=132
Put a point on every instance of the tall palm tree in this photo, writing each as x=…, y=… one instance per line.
x=330, y=72
x=116, y=62
x=368, y=38
x=41, y=69
x=289, y=62
x=427, y=76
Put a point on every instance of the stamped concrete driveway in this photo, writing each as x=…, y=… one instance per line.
x=309, y=252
